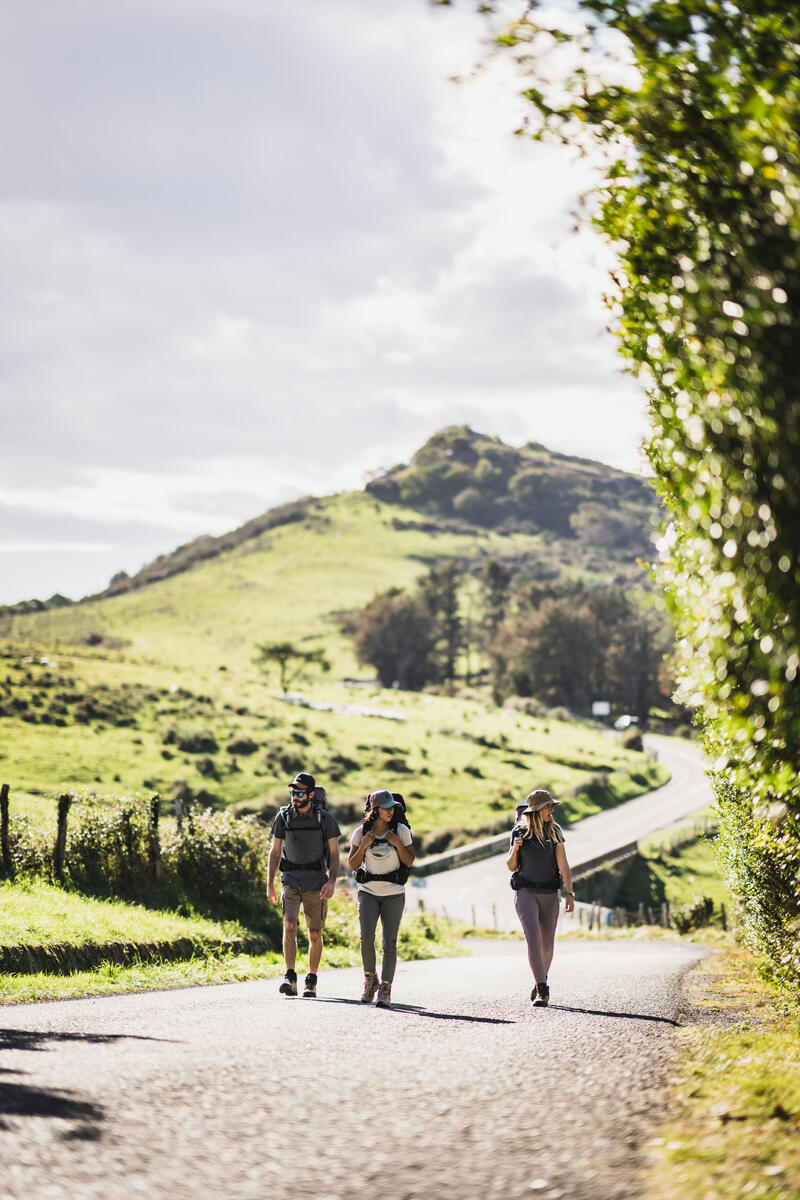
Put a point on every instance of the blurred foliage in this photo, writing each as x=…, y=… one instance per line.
x=216, y=864
x=695, y=108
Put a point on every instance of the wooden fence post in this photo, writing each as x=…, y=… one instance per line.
x=723, y=916
x=179, y=813
x=60, y=850
x=8, y=866
x=155, y=841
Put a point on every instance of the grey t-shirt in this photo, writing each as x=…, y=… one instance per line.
x=537, y=860
x=304, y=841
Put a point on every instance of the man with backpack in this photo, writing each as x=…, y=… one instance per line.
x=305, y=848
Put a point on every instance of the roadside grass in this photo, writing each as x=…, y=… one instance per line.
x=43, y=914
x=736, y=1090
x=111, y=979
x=35, y=912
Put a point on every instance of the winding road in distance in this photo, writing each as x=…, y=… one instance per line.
x=483, y=886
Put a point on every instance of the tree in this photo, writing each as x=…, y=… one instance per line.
x=395, y=634
x=291, y=661
x=696, y=107
x=439, y=591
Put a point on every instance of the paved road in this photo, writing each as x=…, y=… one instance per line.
x=483, y=886
x=463, y=1091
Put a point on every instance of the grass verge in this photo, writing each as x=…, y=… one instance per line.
x=36, y=912
x=421, y=936
x=736, y=1091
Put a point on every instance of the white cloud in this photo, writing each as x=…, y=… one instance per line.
x=239, y=233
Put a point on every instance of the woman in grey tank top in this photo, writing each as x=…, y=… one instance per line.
x=539, y=864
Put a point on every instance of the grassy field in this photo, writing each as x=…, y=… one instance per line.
x=292, y=582
x=91, y=719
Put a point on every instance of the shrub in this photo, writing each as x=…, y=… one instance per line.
x=199, y=741
x=693, y=915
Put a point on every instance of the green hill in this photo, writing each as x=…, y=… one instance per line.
x=151, y=685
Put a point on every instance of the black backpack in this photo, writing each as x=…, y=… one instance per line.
x=400, y=874
x=318, y=805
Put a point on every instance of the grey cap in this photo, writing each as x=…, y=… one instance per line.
x=539, y=799
x=382, y=799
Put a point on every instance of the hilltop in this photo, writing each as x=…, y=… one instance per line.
x=465, y=476
x=586, y=514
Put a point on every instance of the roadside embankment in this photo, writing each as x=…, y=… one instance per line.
x=735, y=1089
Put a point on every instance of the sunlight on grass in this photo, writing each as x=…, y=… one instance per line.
x=737, y=1089
x=34, y=912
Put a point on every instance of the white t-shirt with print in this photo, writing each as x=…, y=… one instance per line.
x=381, y=859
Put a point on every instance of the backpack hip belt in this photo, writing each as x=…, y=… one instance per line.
x=521, y=882
x=317, y=864
x=398, y=875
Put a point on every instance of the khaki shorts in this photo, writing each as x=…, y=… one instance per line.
x=315, y=908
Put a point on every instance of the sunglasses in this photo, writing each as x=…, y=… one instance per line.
x=298, y=791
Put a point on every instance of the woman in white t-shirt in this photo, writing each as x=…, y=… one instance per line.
x=380, y=854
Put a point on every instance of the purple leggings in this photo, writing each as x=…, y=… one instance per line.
x=538, y=914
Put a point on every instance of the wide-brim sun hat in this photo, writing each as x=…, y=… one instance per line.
x=381, y=799
x=538, y=800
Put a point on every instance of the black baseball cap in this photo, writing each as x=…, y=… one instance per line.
x=303, y=779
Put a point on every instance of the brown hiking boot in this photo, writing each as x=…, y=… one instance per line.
x=370, y=987
x=384, y=996
x=289, y=985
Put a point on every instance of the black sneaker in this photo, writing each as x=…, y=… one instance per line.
x=541, y=995
x=289, y=985
x=310, y=990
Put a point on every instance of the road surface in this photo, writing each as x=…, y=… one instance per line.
x=464, y=1091
x=483, y=886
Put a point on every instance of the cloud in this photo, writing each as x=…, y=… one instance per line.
x=239, y=234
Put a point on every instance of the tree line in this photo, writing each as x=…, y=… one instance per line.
x=562, y=644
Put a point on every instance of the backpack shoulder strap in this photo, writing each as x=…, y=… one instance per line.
x=320, y=826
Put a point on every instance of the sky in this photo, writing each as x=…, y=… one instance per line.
x=252, y=250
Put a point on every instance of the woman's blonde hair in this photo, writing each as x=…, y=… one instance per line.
x=544, y=829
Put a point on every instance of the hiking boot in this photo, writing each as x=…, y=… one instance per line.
x=370, y=987
x=541, y=994
x=384, y=996
x=310, y=990
x=289, y=985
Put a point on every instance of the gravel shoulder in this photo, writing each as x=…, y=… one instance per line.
x=462, y=1090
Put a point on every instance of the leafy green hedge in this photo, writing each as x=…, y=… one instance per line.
x=217, y=863
x=701, y=201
